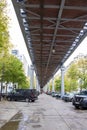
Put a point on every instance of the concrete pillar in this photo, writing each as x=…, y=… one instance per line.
x=45, y=88
x=31, y=77
x=62, y=81
x=53, y=87
x=37, y=85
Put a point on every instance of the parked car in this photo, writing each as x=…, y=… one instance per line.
x=68, y=97
x=53, y=94
x=23, y=94
x=48, y=93
x=80, y=100
x=58, y=95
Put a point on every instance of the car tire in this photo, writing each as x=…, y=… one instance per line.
x=27, y=100
x=33, y=100
x=9, y=99
x=77, y=107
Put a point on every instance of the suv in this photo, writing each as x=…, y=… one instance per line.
x=80, y=100
x=29, y=95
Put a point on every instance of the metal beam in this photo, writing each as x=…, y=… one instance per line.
x=71, y=29
x=49, y=41
x=55, y=7
x=37, y=15
x=66, y=35
x=74, y=20
x=64, y=19
x=55, y=32
x=80, y=17
x=61, y=28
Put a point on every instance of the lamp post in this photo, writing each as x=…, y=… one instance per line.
x=53, y=88
x=80, y=84
x=62, y=80
x=31, y=77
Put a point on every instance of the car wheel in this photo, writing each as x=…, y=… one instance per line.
x=77, y=107
x=33, y=100
x=27, y=100
x=71, y=100
x=9, y=99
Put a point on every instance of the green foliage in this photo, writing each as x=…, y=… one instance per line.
x=11, y=69
x=50, y=86
x=4, y=35
x=24, y=83
x=70, y=84
x=58, y=83
x=71, y=78
x=82, y=72
x=72, y=71
x=76, y=75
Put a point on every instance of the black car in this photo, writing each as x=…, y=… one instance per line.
x=80, y=100
x=22, y=94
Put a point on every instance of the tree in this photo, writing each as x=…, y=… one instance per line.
x=13, y=71
x=82, y=72
x=58, y=83
x=71, y=78
x=76, y=75
x=4, y=35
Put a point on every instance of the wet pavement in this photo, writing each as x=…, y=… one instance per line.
x=46, y=113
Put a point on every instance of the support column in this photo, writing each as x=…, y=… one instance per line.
x=31, y=77
x=53, y=87
x=37, y=85
x=45, y=88
x=62, y=81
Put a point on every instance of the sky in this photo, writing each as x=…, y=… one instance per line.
x=81, y=49
x=19, y=43
x=15, y=33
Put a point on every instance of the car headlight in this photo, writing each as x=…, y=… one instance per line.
x=85, y=98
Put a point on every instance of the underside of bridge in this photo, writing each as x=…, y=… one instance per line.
x=52, y=30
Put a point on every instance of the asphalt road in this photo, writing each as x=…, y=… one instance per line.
x=46, y=113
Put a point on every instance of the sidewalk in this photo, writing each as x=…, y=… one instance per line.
x=7, y=111
x=46, y=113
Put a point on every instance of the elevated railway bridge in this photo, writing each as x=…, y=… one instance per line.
x=52, y=30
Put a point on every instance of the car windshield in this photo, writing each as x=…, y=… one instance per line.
x=13, y=91
x=83, y=92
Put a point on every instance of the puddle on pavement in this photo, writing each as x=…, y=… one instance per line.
x=36, y=126
x=13, y=124
x=17, y=117
x=20, y=120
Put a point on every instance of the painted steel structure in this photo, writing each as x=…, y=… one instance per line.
x=52, y=30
